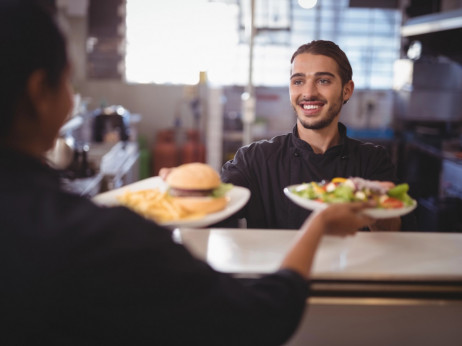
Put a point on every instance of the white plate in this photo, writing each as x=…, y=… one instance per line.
x=238, y=197
x=376, y=213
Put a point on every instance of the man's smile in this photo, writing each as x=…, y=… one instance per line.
x=311, y=107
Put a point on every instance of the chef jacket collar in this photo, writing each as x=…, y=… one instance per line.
x=301, y=145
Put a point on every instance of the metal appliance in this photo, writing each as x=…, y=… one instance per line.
x=112, y=166
x=428, y=90
x=102, y=156
x=428, y=115
x=111, y=124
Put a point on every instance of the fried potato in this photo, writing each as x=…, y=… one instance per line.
x=156, y=205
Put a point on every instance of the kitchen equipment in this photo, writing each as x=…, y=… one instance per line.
x=61, y=155
x=80, y=166
x=111, y=124
x=101, y=167
x=439, y=32
x=451, y=179
x=428, y=90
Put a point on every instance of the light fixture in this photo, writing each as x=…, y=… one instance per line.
x=307, y=3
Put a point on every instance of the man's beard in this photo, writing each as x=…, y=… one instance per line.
x=332, y=112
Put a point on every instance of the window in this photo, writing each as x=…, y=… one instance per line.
x=172, y=41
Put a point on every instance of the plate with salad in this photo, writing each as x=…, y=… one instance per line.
x=391, y=201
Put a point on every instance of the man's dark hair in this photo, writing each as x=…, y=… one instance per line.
x=30, y=40
x=330, y=49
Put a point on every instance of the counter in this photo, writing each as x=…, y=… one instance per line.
x=375, y=288
x=378, y=255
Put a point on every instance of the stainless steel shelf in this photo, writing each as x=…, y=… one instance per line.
x=432, y=23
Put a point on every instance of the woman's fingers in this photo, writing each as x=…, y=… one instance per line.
x=346, y=218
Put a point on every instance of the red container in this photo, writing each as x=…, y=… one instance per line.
x=193, y=150
x=165, y=152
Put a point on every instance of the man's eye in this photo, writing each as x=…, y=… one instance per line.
x=297, y=82
x=324, y=81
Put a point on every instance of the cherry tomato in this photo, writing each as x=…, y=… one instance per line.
x=391, y=203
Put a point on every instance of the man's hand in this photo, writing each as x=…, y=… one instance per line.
x=164, y=172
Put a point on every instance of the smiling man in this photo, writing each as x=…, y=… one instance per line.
x=317, y=149
x=319, y=86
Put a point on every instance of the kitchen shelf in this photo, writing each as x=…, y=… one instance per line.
x=432, y=23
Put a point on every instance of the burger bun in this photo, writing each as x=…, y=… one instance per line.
x=202, y=205
x=196, y=175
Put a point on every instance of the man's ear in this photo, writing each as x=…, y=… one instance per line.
x=348, y=90
x=37, y=93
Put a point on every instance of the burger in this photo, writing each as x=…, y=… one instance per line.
x=197, y=188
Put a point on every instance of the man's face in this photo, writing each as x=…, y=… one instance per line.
x=316, y=91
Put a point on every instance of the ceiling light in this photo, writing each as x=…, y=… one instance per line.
x=307, y=3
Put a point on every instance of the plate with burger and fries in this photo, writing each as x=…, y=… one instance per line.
x=192, y=195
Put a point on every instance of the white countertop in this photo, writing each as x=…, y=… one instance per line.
x=376, y=255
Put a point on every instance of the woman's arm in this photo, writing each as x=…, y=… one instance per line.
x=337, y=219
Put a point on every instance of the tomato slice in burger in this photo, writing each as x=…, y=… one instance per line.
x=391, y=203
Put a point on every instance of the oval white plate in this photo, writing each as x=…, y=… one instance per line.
x=376, y=213
x=238, y=197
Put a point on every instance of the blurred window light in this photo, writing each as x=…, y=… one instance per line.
x=170, y=42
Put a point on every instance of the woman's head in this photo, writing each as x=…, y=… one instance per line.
x=30, y=41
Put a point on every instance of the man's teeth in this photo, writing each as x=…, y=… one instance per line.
x=310, y=107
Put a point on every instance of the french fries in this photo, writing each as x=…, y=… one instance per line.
x=157, y=205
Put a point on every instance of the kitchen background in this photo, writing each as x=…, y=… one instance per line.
x=160, y=83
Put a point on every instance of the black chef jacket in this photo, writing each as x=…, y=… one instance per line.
x=266, y=167
x=73, y=273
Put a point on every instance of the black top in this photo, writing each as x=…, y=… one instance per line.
x=266, y=167
x=73, y=273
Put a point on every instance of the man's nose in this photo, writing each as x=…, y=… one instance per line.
x=309, y=90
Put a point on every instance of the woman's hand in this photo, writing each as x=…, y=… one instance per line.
x=344, y=218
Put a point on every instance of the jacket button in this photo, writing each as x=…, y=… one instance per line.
x=296, y=154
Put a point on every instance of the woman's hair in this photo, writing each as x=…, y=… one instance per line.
x=330, y=49
x=30, y=40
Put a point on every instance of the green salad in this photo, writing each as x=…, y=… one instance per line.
x=341, y=190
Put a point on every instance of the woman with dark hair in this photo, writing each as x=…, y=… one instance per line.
x=73, y=273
